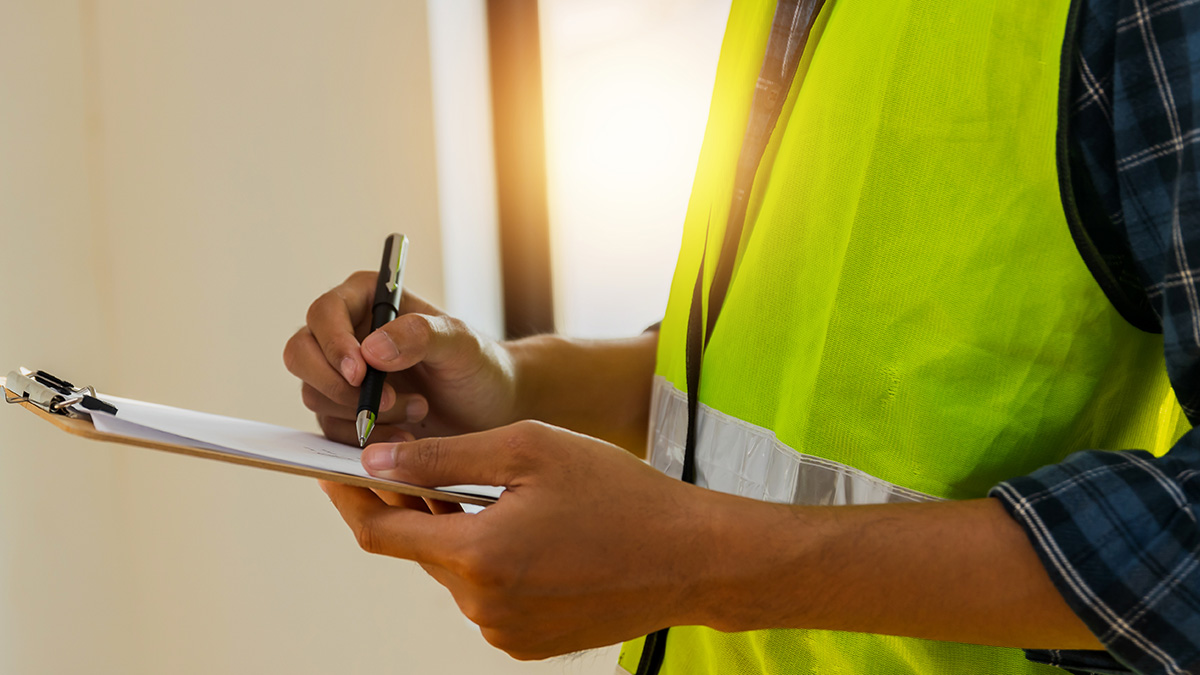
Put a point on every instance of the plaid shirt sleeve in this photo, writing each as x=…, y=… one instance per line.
x=1118, y=532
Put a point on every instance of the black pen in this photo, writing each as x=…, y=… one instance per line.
x=386, y=307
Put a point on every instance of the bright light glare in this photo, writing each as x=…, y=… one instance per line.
x=630, y=135
x=627, y=88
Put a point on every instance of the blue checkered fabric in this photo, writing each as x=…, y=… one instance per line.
x=1119, y=532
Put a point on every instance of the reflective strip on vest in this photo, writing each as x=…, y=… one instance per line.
x=744, y=459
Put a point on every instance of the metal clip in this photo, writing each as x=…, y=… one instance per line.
x=52, y=394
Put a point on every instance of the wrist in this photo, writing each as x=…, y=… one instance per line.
x=756, y=549
x=596, y=387
x=506, y=365
x=527, y=358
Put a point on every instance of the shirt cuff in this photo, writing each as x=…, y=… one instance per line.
x=1078, y=661
x=1117, y=533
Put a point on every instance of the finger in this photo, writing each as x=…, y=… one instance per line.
x=387, y=496
x=386, y=530
x=304, y=359
x=344, y=431
x=439, y=507
x=401, y=500
x=332, y=317
x=420, y=338
x=340, y=430
x=494, y=457
x=321, y=404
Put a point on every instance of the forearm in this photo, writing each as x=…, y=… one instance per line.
x=597, y=387
x=955, y=571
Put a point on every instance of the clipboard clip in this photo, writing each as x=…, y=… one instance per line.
x=52, y=394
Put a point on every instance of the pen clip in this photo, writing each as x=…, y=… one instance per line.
x=395, y=254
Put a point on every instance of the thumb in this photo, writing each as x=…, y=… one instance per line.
x=409, y=339
x=493, y=457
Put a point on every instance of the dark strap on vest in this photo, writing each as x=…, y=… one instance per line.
x=789, y=33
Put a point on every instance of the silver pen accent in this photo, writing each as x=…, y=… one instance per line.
x=364, y=424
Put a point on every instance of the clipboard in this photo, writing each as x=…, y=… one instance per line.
x=70, y=408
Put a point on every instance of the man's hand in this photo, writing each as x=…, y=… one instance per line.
x=444, y=378
x=588, y=545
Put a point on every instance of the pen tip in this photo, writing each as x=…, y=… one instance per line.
x=364, y=424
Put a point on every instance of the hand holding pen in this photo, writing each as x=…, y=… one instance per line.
x=443, y=378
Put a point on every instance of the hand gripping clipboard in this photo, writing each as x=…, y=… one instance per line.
x=71, y=409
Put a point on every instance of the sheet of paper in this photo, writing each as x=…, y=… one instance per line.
x=165, y=423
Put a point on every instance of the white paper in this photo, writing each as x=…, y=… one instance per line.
x=155, y=422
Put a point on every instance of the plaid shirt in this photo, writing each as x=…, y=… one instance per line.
x=1118, y=531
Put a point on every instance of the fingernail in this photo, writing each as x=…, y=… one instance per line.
x=380, y=345
x=349, y=368
x=379, y=458
x=415, y=410
x=387, y=400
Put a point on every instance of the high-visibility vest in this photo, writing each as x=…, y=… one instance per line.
x=909, y=316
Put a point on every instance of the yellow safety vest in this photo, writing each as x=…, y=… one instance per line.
x=909, y=317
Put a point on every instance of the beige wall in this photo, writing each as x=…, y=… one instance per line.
x=61, y=531
x=178, y=180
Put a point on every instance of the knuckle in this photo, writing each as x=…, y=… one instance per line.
x=526, y=654
x=333, y=354
x=315, y=310
x=515, y=643
x=488, y=576
x=517, y=437
x=360, y=278
x=503, y=640
x=523, y=436
x=522, y=446
x=464, y=561
x=514, y=446
x=335, y=389
x=533, y=429
x=427, y=455
x=485, y=567
x=495, y=638
x=311, y=398
x=291, y=352
x=480, y=613
x=368, y=537
x=343, y=294
x=415, y=329
x=457, y=326
x=464, y=336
